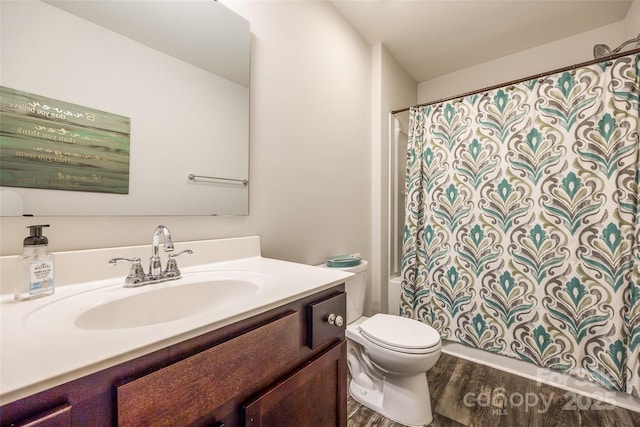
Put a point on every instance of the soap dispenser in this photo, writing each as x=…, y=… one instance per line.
x=35, y=267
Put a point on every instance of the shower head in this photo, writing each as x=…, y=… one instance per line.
x=602, y=50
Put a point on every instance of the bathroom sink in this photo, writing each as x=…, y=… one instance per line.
x=164, y=305
x=116, y=307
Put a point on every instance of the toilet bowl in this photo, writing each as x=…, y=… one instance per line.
x=388, y=357
x=388, y=361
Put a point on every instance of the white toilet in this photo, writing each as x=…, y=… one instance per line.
x=388, y=358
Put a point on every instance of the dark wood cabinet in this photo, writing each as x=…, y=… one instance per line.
x=314, y=396
x=192, y=388
x=259, y=371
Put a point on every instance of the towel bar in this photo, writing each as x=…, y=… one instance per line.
x=193, y=177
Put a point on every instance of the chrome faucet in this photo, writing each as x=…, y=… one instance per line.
x=137, y=276
x=155, y=266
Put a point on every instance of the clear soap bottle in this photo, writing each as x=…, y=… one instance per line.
x=35, y=267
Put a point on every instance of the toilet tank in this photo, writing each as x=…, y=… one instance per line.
x=356, y=287
x=395, y=290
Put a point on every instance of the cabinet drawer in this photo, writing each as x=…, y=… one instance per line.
x=326, y=320
x=193, y=388
x=56, y=417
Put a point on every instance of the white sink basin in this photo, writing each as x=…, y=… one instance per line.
x=115, y=307
x=165, y=305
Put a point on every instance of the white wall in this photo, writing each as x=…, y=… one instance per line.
x=550, y=56
x=393, y=89
x=631, y=25
x=310, y=134
x=310, y=152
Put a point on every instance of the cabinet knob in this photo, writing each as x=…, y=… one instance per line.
x=335, y=320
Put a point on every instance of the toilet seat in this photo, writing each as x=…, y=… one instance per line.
x=400, y=334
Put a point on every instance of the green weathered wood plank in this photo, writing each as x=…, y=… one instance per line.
x=46, y=143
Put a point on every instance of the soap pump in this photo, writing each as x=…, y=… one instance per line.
x=35, y=267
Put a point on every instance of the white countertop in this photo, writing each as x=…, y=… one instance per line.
x=39, y=351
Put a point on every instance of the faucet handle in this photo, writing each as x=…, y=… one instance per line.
x=177, y=254
x=172, y=266
x=115, y=260
x=136, y=273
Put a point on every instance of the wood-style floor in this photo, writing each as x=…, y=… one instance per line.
x=486, y=405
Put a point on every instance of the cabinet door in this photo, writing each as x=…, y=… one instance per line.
x=313, y=396
x=188, y=391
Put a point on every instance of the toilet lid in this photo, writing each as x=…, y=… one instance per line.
x=401, y=333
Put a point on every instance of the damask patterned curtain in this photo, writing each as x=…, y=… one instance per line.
x=522, y=222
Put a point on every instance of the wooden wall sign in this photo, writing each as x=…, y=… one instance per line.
x=46, y=143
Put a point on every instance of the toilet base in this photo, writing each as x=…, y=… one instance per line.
x=405, y=400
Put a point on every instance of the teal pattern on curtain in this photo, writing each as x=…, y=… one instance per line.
x=522, y=222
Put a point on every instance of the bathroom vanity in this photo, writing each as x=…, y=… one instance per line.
x=273, y=359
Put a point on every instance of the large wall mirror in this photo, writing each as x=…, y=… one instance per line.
x=178, y=69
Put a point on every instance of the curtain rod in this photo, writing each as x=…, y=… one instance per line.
x=536, y=76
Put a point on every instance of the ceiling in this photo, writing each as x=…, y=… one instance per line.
x=430, y=38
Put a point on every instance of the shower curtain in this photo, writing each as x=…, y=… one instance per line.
x=522, y=222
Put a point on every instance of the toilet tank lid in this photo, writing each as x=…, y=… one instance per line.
x=349, y=260
x=400, y=332
x=355, y=269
